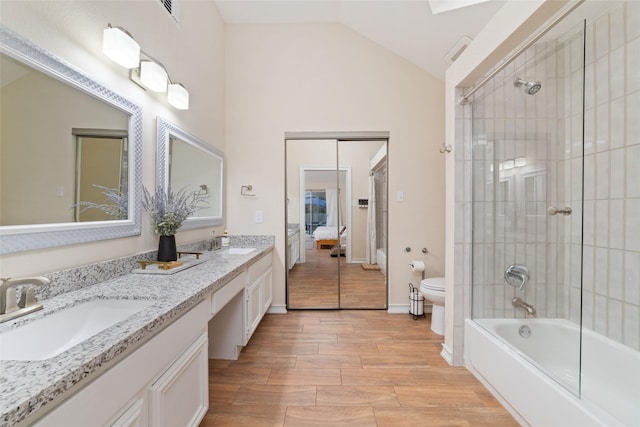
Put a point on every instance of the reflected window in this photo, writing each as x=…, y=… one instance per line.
x=315, y=209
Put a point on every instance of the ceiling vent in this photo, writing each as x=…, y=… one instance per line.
x=173, y=7
x=457, y=50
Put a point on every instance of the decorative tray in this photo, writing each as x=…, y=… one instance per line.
x=169, y=267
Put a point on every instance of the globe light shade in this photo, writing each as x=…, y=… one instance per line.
x=120, y=47
x=178, y=96
x=153, y=76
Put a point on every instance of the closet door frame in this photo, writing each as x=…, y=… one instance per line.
x=337, y=137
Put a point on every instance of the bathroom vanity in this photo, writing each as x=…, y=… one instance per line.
x=293, y=244
x=150, y=369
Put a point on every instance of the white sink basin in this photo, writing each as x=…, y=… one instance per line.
x=51, y=335
x=240, y=251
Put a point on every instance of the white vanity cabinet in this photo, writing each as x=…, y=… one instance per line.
x=162, y=383
x=258, y=294
x=293, y=247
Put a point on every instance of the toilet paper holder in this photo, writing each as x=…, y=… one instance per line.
x=419, y=266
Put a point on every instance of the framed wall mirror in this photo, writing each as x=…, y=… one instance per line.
x=55, y=121
x=187, y=162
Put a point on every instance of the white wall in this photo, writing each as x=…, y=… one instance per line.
x=325, y=77
x=192, y=51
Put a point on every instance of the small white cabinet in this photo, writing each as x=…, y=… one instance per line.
x=180, y=396
x=293, y=248
x=253, y=302
x=258, y=294
x=267, y=290
x=133, y=416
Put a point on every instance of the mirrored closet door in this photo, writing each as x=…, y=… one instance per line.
x=336, y=222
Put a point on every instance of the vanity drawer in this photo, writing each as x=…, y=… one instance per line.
x=222, y=296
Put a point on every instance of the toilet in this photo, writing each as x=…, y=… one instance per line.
x=433, y=291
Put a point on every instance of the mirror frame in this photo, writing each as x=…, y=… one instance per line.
x=18, y=238
x=166, y=130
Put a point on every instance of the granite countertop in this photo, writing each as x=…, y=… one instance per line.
x=26, y=386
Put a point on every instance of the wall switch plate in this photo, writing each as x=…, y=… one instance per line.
x=400, y=196
x=259, y=217
x=59, y=191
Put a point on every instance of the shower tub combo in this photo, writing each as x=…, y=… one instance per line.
x=554, y=340
x=518, y=360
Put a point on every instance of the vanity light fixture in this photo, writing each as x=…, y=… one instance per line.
x=147, y=72
x=118, y=45
x=153, y=76
x=178, y=96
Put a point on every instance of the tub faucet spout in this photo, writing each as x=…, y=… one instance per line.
x=529, y=309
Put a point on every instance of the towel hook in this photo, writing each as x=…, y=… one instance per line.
x=445, y=148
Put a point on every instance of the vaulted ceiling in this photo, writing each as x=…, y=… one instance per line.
x=414, y=29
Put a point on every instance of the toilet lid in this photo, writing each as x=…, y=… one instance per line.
x=434, y=283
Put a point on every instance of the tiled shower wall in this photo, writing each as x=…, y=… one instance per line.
x=611, y=273
x=546, y=131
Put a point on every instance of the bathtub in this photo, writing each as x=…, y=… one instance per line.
x=381, y=259
x=526, y=374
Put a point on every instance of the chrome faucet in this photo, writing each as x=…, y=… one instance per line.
x=529, y=310
x=10, y=308
x=215, y=243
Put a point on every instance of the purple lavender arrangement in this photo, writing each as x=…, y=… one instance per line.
x=168, y=209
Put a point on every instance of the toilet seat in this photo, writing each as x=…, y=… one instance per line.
x=435, y=284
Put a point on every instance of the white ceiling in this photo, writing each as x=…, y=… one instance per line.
x=406, y=27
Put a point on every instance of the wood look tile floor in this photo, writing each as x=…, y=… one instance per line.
x=314, y=283
x=346, y=368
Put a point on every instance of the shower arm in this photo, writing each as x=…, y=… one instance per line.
x=465, y=97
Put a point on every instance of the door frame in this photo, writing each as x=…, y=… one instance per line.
x=338, y=137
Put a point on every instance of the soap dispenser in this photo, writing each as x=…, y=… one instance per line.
x=225, y=238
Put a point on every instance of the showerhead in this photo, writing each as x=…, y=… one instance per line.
x=530, y=87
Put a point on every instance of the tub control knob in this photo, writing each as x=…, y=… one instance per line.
x=517, y=275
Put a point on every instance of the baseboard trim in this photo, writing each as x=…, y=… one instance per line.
x=446, y=354
x=277, y=309
x=404, y=308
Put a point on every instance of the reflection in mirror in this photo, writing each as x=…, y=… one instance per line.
x=39, y=136
x=336, y=222
x=185, y=161
x=101, y=167
x=54, y=126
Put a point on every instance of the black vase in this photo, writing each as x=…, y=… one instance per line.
x=167, y=249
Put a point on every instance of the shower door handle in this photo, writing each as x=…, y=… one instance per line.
x=552, y=210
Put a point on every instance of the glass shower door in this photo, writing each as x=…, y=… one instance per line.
x=527, y=147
